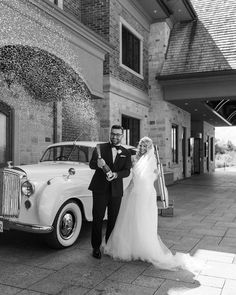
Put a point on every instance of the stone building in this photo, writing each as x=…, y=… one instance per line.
x=69, y=69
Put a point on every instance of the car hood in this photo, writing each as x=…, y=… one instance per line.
x=48, y=170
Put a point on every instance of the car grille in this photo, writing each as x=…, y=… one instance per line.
x=10, y=193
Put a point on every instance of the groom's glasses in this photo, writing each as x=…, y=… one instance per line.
x=116, y=134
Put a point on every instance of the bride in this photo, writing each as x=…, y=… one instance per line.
x=135, y=235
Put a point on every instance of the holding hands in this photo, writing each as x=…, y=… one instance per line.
x=114, y=176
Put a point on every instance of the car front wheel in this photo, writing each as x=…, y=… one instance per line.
x=67, y=226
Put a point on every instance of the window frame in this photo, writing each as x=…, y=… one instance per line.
x=212, y=149
x=131, y=127
x=9, y=114
x=174, y=143
x=138, y=36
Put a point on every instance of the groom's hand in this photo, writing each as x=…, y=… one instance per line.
x=114, y=176
x=100, y=163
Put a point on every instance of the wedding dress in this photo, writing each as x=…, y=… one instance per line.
x=135, y=235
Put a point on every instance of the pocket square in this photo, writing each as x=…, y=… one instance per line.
x=122, y=156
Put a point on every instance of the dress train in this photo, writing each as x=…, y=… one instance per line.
x=135, y=235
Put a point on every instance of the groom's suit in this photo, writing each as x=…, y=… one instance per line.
x=107, y=194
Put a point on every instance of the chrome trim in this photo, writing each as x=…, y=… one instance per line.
x=10, y=192
x=31, y=228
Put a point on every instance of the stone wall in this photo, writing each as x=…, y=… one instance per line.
x=103, y=17
x=73, y=7
x=163, y=114
x=208, y=133
x=95, y=15
x=32, y=123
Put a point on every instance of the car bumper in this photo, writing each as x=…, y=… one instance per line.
x=6, y=224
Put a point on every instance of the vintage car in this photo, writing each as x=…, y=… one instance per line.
x=50, y=197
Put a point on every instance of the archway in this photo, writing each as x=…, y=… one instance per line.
x=48, y=80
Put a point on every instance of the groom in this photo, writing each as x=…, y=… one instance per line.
x=107, y=192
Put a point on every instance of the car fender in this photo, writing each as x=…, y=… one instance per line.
x=58, y=191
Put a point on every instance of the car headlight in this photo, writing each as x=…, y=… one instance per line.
x=27, y=188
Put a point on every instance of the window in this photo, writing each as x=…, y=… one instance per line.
x=3, y=137
x=174, y=143
x=212, y=148
x=6, y=134
x=59, y=3
x=131, y=49
x=131, y=130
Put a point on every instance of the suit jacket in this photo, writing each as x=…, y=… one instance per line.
x=121, y=165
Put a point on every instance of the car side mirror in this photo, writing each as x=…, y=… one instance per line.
x=71, y=171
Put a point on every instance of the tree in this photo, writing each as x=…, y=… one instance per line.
x=220, y=147
x=230, y=146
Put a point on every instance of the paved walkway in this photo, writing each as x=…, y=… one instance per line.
x=204, y=225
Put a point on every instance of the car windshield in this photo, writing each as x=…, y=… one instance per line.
x=72, y=153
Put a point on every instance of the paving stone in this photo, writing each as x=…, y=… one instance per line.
x=210, y=255
x=178, y=232
x=128, y=273
x=8, y=290
x=180, y=275
x=58, y=287
x=225, y=224
x=73, y=290
x=189, y=224
x=231, y=232
x=58, y=260
x=29, y=292
x=109, y=287
x=86, y=275
x=210, y=281
x=229, y=287
x=220, y=249
x=19, y=275
x=185, y=244
x=147, y=281
x=231, y=242
x=182, y=288
x=220, y=270
x=208, y=232
x=199, y=216
x=209, y=241
x=206, y=224
x=169, y=235
x=23, y=254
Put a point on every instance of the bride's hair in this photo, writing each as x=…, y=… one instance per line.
x=147, y=141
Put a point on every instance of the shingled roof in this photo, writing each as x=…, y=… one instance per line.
x=206, y=44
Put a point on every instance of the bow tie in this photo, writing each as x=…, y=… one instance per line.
x=115, y=146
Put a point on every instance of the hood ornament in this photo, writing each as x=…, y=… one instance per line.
x=9, y=164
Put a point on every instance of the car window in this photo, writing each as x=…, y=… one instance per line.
x=66, y=153
x=90, y=152
x=51, y=154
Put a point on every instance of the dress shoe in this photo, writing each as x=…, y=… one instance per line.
x=97, y=253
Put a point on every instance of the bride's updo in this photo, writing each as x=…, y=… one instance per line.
x=147, y=141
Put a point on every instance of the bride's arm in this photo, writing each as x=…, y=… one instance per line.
x=133, y=160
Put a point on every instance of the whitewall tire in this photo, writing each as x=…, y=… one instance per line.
x=67, y=226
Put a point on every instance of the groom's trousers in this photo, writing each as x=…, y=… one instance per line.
x=100, y=203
